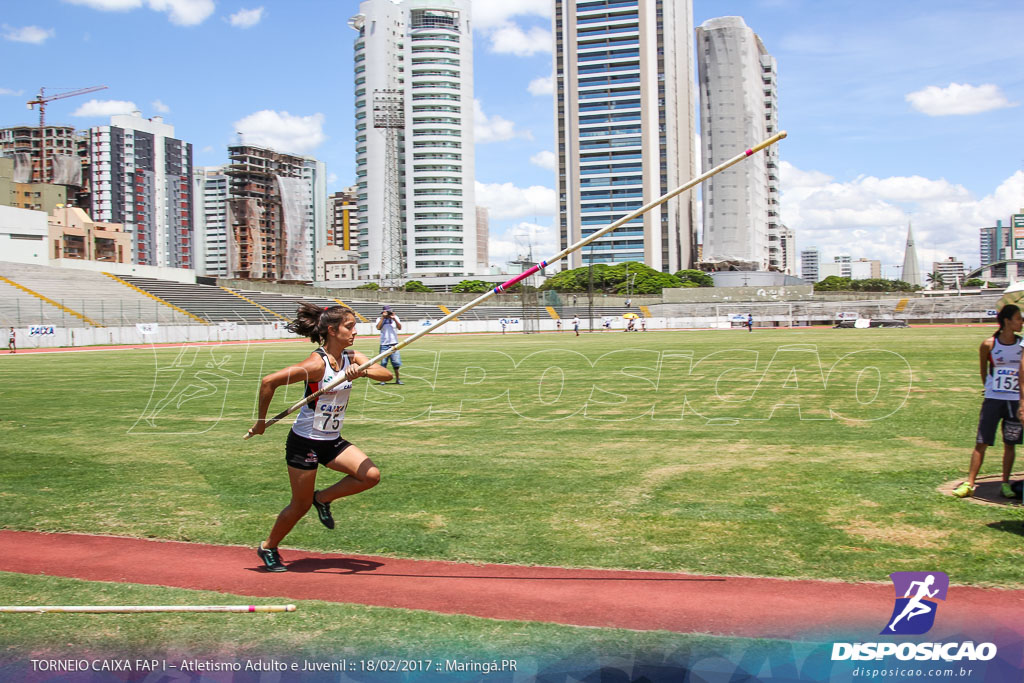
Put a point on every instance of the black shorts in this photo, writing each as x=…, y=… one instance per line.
x=305, y=454
x=992, y=411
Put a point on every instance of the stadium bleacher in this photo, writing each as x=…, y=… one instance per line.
x=69, y=297
x=100, y=300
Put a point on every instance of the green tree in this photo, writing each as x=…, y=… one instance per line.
x=936, y=280
x=471, y=287
x=416, y=286
x=833, y=283
x=974, y=282
x=872, y=285
x=612, y=279
x=698, y=277
x=369, y=285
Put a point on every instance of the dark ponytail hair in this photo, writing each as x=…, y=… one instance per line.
x=1006, y=313
x=312, y=321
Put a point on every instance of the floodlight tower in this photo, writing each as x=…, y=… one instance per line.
x=389, y=116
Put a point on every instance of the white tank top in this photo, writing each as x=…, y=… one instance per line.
x=322, y=421
x=1002, y=381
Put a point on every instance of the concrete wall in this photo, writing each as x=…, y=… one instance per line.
x=424, y=297
x=31, y=228
x=734, y=294
x=160, y=272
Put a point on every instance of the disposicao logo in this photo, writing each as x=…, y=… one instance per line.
x=917, y=594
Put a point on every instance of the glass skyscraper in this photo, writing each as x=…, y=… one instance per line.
x=625, y=124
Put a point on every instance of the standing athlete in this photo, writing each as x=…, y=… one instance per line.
x=10, y=341
x=1000, y=358
x=315, y=437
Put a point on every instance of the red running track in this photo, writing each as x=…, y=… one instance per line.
x=734, y=606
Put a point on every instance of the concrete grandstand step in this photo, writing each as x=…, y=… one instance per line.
x=92, y=294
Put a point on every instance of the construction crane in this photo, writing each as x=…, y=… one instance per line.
x=41, y=100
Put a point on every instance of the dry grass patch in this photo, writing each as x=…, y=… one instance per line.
x=896, y=533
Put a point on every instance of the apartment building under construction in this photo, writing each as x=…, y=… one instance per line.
x=276, y=214
x=43, y=155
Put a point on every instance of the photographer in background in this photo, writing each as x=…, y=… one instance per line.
x=389, y=324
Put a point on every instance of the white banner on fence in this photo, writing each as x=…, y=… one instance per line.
x=227, y=326
x=146, y=328
x=39, y=330
x=847, y=315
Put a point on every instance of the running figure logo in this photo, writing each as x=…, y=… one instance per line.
x=916, y=596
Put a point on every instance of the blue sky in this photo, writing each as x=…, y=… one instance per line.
x=896, y=110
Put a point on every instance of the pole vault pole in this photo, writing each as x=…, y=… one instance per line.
x=543, y=264
x=123, y=609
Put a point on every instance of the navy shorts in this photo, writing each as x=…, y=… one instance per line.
x=305, y=454
x=994, y=410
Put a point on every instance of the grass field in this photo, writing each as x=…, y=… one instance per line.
x=803, y=454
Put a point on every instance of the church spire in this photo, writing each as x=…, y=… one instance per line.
x=911, y=273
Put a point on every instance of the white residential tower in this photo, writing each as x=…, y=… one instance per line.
x=414, y=139
x=625, y=125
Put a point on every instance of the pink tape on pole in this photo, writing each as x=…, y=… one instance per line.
x=252, y=608
x=749, y=152
x=525, y=274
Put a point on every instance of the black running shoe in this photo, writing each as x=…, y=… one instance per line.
x=271, y=559
x=323, y=511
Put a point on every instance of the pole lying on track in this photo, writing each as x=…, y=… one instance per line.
x=543, y=264
x=120, y=609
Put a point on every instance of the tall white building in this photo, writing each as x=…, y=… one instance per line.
x=624, y=118
x=810, y=261
x=211, y=193
x=781, y=249
x=414, y=72
x=737, y=81
x=141, y=176
x=844, y=261
x=952, y=272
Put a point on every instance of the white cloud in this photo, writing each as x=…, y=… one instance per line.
x=505, y=200
x=159, y=107
x=545, y=159
x=246, y=18
x=207, y=149
x=8, y=91
x=958, y=99
x=792, y=177
x=28, y=34
x=510, y=39
x=494, y=128
x=867, y=216
x=282, y=132
x=332, y=178
x=181, y=12
x=515, y=243
x=545, y=85
x=488, y=14
x=105, y=108
x=184, y=12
